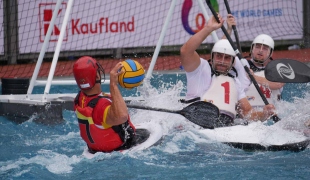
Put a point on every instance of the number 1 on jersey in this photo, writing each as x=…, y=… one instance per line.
x=226, y=91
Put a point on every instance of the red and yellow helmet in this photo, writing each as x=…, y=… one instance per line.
x=85, y=70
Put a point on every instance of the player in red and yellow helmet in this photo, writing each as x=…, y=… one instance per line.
x=103, y=119
x=85, y=71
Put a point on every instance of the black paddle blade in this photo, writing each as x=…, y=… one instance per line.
x=202, y=113
x=287, y=71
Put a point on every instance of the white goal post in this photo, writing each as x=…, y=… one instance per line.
x=49, y=82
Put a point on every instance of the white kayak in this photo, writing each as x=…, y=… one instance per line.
x=257, y=136
x=152, y=132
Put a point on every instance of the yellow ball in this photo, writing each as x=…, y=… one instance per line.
x=133, y=74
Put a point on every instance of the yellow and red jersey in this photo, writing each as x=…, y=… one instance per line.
x=91, y=112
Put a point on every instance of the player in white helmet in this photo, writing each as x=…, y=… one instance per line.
x=262, y=49
x=261, y=54
x=215, y=81
x=222, y=57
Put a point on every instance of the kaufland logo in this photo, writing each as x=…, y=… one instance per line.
x=78, y=27
x=103, y=25
x=45, y=16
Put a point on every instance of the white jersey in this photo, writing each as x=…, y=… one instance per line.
x=223, y=93
x=199, y=82
x=242, y=74
x=254, y=97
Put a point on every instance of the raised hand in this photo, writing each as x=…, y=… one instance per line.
x=213, y=24
x=230, y=21
x=115, y=72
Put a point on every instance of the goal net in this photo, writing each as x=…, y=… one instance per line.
x=112, y=28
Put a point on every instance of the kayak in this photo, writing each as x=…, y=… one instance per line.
x=257, y=136
x=147, y=135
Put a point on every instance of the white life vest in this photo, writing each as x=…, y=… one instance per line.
x=255, y=99
x=223, y=94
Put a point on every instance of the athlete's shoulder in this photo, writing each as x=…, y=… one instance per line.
x=245, y=62
x=104, y=100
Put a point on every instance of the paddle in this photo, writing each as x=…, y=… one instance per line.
x=202, y=113
x=233, y=27
x=275, y=118
x=287, y=71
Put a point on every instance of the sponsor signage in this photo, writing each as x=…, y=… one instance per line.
x=106, y=24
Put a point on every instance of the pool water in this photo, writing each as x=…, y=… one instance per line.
x=35, y=151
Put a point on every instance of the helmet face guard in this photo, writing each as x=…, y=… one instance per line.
x=85, y=71
x=222, y=63
x=222, y=57
x=260, y=50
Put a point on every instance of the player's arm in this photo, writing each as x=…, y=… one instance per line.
x=246, y=111
x=118, y=112
x=230, y=22
x=271, y=85
x=190, y=59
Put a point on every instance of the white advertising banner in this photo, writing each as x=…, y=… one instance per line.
x=281, y=19
x=97, y=24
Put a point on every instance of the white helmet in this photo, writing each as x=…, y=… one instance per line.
x=266, y=40
x=222, y=46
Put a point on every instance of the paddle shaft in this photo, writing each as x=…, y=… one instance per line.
x=233, y=27
x=153, y=109
x=202, y=113
x=275, y=118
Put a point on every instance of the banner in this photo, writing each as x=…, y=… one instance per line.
x=97, y=24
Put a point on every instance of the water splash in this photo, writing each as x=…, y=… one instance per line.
x=52, y=161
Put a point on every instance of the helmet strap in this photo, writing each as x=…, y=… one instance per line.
x=98, y=81
x=99, y=70
x=261, y=62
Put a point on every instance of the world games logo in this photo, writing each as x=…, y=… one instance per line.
x=45, y=16
x=199, y=18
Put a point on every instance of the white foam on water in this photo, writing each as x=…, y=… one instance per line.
x=294, y=114
x=57, y=163
x=165, y=98
x=53, y=139
x=255, y=132
x=54, y=162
